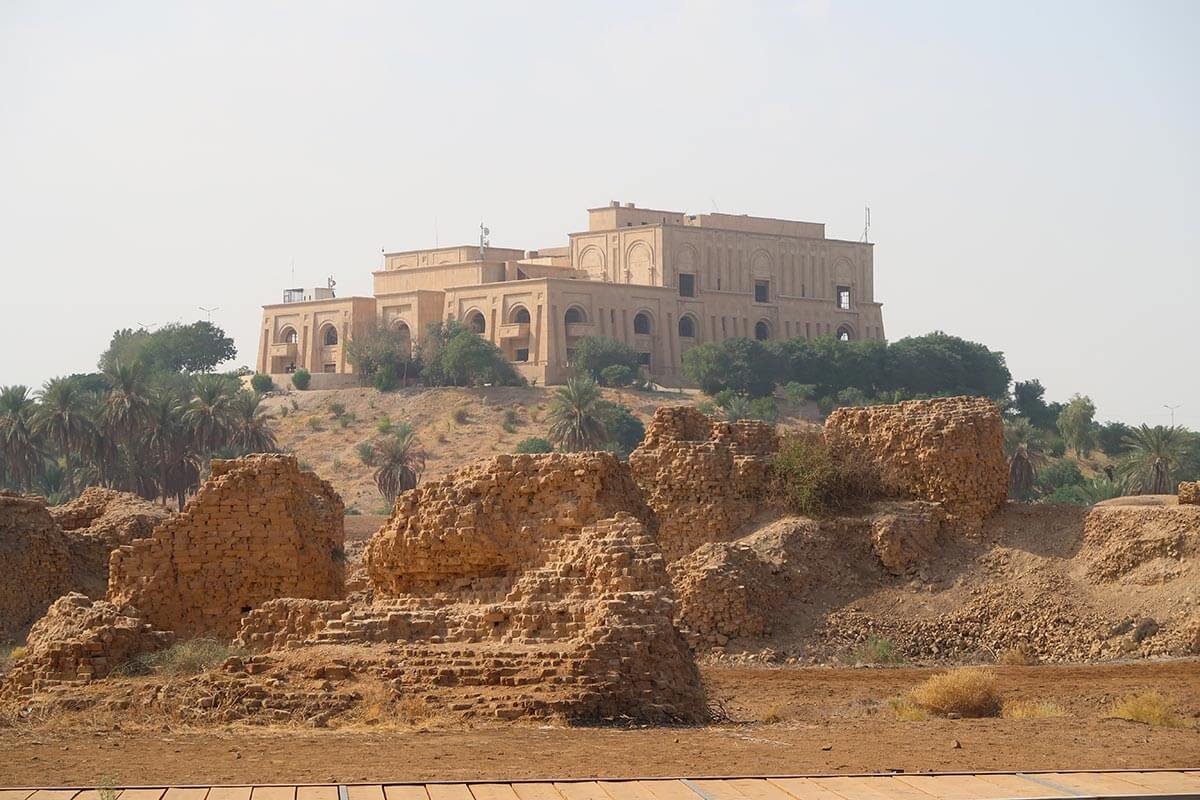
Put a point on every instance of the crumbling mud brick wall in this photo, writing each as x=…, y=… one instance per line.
x=1117, y=540
x=702, y=478
x=1189, y=493
x=534, y=583
x=79, y=640
x=258, y=529
x=947, y=450
x=35, y=562
x=470, y=532
x=287, y=622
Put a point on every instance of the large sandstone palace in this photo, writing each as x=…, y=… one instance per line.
x=661, y=281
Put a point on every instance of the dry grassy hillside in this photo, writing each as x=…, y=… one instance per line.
x=327, y=442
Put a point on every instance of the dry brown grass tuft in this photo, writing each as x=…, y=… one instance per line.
x=775, y=714
x=966, y=692
x=1151, y=708
x=1019, y=656
x=905, y=710
x=1029, y=709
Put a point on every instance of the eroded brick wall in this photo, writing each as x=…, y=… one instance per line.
x=1189, y=493
x=702, y=478
x=35, y=566
x=946, y=450
x=258, y=529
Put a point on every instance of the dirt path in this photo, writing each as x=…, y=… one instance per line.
x=831, y=720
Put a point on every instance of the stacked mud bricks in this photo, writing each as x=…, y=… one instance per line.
x=258, y=529
x=947, y=451
x=1189, y=493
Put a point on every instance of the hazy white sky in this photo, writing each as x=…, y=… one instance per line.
x=1033, y=169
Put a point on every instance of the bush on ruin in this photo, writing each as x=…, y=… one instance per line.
x=965, y=692
x=262, y=383
x=190, y=657
x=301, y=378
x=809, y=476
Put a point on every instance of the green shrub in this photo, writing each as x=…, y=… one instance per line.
x=510, y=418
x=625, y=431
x=337, y=409
x=797, y=393
x=594, y=354
x=617, y=375
x=462, y=415
x=384, y=425
x=735, y=408
x=1060, y=474
x=385, y=379
x=534, y=444
x=301, y=378
x=284, y=411
x=877, y=650
x=763, y=408
x=366, y=453
x=314, y=424
x=739, y=364
x=262, y=383
x=190, y=657
x=810, y=477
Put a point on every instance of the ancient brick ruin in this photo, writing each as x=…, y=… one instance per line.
x=258, y=529
x=703, y=478
x=946, y=450
x=1189, y=493
x=34, y=561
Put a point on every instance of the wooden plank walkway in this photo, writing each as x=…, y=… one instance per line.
x=897, y=786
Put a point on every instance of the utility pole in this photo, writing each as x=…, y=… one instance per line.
x=1172, y=410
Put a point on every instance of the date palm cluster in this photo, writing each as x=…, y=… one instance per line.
x=151, y=433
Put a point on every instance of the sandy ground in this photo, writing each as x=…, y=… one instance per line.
x=829, y=720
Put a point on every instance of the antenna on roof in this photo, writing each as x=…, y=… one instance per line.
x=867, y=225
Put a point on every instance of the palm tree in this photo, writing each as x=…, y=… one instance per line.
x=209, y=413
x=736, y=408
x=65, y=419
x=1154, y=452
x=399, y=461
x=1096, y=490
x=125, y=405
x=574, y=417
x=21, y=458
x=1025, y=448
x=248, y=430
x=170, y=442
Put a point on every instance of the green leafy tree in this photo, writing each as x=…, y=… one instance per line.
x=383, y=350
x=576, y=416
x=594, y=354
x=739, y=364
x=451, y=355
x=940, y=364
x=1112, y=437
x=1155, y=453
x=1059, y=474
x=1077, y=425
x=625, y=431
x=248, y=429
x=196, y=347
x=1029, y=401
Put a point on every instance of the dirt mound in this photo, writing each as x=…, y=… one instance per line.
x=946, y=450
x=259, y=528
x=35, y=561
x=1189, y=493
x=1120, y=539
x=703, y=478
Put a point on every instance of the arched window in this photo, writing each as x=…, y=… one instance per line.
x=641, y=323
x=475, y=323
x=762, y=331
x=520, y=315
x=289, y=336
x=329, y=336
x=574, y=314
x=403, y=337
x=687, y=327
x=844, y=333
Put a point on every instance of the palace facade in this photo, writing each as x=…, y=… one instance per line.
x=660, y=281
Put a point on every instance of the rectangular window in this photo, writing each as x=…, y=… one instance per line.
x=687, y=284
x=331, y=367
x=843, y=297
x=644, y=359
x=522, y=354
x=762, y=291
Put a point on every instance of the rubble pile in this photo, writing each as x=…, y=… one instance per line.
x=258, y=529
x=1118, y=540
x=946, y=450
x=1189, y=493
x=79, y=640
x=704, y=479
